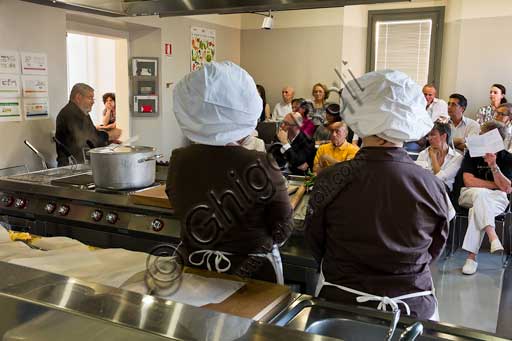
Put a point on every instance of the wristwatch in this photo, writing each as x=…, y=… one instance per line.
x=495, y=169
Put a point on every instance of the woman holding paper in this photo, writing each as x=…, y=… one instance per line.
x=487, y=183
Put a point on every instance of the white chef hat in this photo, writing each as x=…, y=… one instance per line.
x=217, y=104
x=391, y=106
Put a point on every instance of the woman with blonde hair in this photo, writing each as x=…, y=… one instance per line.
x=320, y=95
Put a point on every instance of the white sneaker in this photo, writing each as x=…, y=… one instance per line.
x=496, y=246
x=469, y=267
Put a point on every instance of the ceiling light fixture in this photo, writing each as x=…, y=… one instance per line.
x=267, y=21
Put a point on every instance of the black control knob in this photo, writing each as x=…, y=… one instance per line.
x=96, y=215
x=157, y=225
x=111, y=218
x=50, y=207
x=6, y=200
x=20, y=203
x=63, y=210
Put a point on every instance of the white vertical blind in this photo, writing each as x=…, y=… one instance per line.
x=404, y=46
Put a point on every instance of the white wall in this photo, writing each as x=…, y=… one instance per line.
x=29, y=27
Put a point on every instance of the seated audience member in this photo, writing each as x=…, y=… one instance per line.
x=295, y=104
x=497, y=97
x=503, y=114
x=108, y=120
x=298, y=149
x=436, y=107
x=461, y=125
x=322, y=133
x=440, y=158
x=281, y=109
x=307, y=126
x=337, y=150
x=265, y=112
x=487, y=182
x=320, y=95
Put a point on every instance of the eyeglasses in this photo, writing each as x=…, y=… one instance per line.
x=453, y=104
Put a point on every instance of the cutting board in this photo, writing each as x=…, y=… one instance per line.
x=254, y=300
x=154, y=196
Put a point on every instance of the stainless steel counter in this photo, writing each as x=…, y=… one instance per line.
x=37, y=305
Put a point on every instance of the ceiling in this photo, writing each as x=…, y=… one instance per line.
x=122, y=8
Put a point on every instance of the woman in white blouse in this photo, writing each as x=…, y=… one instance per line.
x=440, y=158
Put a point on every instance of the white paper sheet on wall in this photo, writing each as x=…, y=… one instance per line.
x=36, y=108
x=10, y=109
x=9, y=61
x=10, y=86
x=34, y=63
x=35, y=86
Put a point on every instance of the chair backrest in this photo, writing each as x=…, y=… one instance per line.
x=267, y=131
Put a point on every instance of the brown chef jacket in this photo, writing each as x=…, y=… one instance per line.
x=238, y=192
x=377, y=222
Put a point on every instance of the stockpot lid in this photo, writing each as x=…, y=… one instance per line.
x=120, y=149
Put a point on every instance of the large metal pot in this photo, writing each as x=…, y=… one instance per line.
x=123, y=167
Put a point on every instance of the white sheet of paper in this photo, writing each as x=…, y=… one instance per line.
x=490, y=142
x=10, y=109
x=35, y=108
x=35, y=86
x=196, y=290
x=34, y=63
x=10, y=86
x=9, y=61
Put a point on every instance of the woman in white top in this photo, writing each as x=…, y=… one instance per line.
x=440, y=158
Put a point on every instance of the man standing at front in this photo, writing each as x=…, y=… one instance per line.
x=75, y=127
x=283, y=108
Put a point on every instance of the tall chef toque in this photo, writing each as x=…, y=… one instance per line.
x=392, y=107
x=217, y=104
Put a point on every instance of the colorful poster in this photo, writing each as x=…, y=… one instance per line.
x=10, y=86
x=35, y=108
x=35, y=86
x=9, y=61
x=34, y=63
x=203, y=47
x=10, y=109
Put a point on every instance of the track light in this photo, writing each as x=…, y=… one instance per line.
x=267, y=21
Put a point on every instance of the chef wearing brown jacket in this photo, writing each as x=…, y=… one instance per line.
x=232, y=202
x=375, y=223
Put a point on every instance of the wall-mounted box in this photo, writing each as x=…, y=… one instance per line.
x=144, y=86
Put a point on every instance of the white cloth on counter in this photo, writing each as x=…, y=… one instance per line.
x=390, y=105
x=196, y=290
x=217, y=104
x=112, y=267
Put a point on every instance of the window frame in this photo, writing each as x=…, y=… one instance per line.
x=436, y=14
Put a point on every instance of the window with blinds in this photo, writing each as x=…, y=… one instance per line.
x=404, y=45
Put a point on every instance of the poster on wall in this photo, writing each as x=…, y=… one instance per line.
x=9, y=61
x=35, y=86
x=10, y=109
x=35, y=108
x=203, y=47
x=10, y=86
x=34, y=63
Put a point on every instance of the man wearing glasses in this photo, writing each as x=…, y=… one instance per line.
x=298, y=149
x=75, y=129
x=461, y=125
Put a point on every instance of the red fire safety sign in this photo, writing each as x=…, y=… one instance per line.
x=168, y=49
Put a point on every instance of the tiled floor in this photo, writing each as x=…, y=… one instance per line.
x=470, y=301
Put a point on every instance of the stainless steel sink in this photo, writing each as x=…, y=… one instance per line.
x=353, y=323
